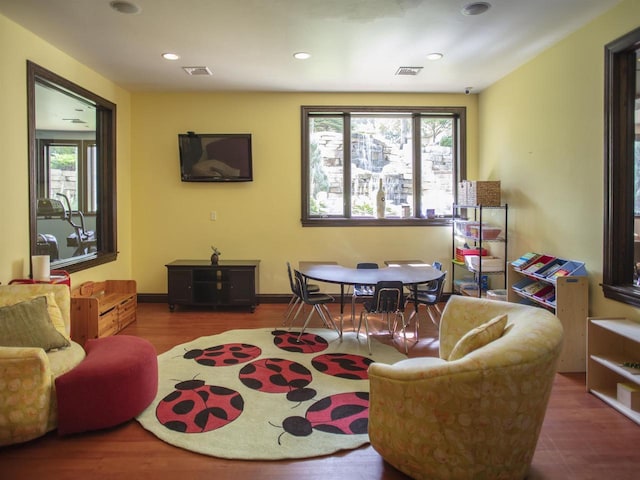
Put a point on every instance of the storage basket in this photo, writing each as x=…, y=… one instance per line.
x=486, y=193
x=461, y=253
x=489, y=264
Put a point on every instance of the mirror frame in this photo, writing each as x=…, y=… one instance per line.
x=620, y=94
x=106, y=220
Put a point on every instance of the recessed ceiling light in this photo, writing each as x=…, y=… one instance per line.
x=476, y=8
x=434, y=56
x=301, y=55
x=125, y=7
x=170, y=56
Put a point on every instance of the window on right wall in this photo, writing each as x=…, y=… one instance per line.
x=416, y=154
x=621, y=256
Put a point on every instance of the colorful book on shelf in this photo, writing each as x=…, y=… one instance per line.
x=534, y=288
x=527, y=257
x=547, y=272
x=537, y=264
x=550, y=297
x=545, y=292
x=562, y=272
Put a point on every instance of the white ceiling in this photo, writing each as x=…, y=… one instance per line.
x=356, y=45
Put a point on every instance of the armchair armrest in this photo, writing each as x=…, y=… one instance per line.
x=25, y=391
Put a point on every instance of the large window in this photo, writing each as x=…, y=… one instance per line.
x=416, y=155
x=621, y=259
x=69, y=170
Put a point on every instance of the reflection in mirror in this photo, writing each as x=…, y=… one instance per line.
x=72, y=169
x=636, y=156
x=621, y=253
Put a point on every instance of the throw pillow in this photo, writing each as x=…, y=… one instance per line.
x=55, y=314
x=479, y=337
x=27, y=324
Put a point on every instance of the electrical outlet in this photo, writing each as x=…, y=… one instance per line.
x=213, y=216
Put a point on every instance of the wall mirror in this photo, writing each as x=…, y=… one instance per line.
x=621, y=259
x=71, y=172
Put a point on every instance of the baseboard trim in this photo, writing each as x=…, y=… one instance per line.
x=163, y=298
x=267, y=298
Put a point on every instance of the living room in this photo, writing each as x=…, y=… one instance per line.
x=539, y=130
x=547, y=131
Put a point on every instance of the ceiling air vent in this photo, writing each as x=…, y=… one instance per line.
x=197, y=70
x=409, y=70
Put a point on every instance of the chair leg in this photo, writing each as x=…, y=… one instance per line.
x=324, y=312
x=306, y=323
x=415, y=313
x=404, y=332
x=366, y=329
x=290, y=308
x=293, y=320
x=434, y=319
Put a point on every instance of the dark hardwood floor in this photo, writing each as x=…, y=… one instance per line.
x=581, y=438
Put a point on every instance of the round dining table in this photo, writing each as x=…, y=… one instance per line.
x=411, y=275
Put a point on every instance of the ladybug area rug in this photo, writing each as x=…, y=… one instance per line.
x=262, y=395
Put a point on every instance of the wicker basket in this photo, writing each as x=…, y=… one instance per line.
x=486, y=193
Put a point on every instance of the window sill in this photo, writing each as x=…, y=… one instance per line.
x=376, y=222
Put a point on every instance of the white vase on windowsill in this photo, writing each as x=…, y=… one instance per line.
x=380, y=200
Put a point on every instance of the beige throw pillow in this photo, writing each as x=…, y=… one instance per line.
x=27, y=324
x=479, y=337
x=55, y=314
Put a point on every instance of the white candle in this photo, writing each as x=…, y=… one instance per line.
x=40, y=268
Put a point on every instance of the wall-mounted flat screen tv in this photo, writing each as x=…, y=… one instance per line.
x=215, y=157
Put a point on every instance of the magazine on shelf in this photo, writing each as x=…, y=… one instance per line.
x=561, y=273
x=527, y=257
x=552, y=269
x=534, y=288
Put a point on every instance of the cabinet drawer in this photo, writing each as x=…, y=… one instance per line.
x=108, y=323
x=127, y=312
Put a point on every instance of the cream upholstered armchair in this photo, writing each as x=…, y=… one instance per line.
x=28, y=407
x=472, y=413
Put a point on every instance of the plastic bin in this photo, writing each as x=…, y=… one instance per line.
x=500, y=295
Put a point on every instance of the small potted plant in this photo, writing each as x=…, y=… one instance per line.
x=215, y=256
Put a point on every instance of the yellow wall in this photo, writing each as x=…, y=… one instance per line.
x=539, y=130
x=261, y=219
x=17, y=46
x=541, y=134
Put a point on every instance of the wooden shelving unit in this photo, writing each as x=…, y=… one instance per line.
x=612, y=341
x=566, y=296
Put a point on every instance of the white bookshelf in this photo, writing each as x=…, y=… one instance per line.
x=610, y=342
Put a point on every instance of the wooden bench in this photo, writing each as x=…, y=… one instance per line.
x=100, y=309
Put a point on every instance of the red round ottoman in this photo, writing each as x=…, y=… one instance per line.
x=116, y=381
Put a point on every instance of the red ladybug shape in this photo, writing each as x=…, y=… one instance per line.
x=196, y=408
x=224, y=355
x=343, y=365
x=341, y=414
x=309, y=342
x=277, y=375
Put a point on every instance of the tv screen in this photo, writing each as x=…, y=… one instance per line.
x=215, y=157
